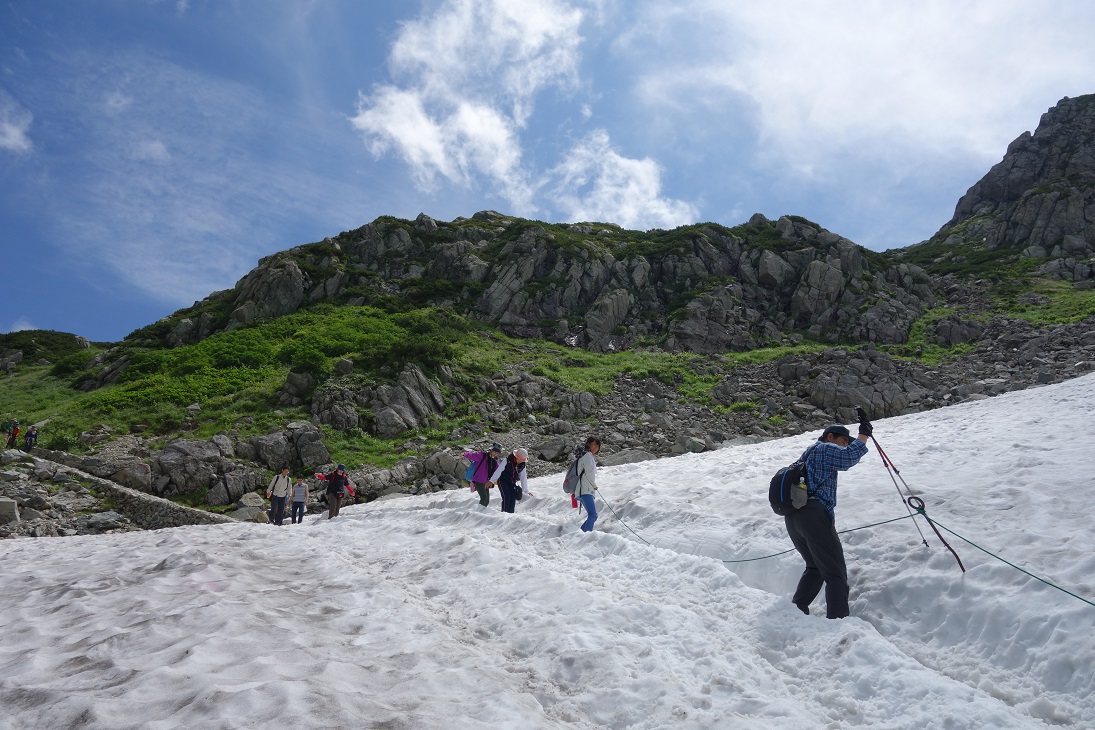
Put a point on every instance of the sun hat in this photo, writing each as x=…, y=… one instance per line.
x=496, y=447
x=521, y=454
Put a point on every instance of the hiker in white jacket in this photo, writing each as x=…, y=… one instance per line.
x=587, y=467
x=278, y=491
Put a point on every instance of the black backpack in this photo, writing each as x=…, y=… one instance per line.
x=787, y=490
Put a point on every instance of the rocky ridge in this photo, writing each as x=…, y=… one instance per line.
x=1040, y=198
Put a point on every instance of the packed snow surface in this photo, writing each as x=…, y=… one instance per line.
x=432, y=612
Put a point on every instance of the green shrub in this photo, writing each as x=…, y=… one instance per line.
x=71, y=364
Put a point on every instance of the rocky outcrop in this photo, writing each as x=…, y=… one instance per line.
x=1041, y=197
x=700, y=288
x=384, y=410
x=43, y=498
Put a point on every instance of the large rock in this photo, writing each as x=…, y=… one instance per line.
x=9, y=510
x=187, y=466
x=275, y=288
x=274, y=451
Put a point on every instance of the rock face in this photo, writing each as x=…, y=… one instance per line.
x=1041, y=197
x=703, y=288
x=384, y=410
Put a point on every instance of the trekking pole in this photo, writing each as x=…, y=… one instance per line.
x=892, y=470
x=918, y=505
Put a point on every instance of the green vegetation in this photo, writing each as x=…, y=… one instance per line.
x=231, y=374
x=1046, y=301
x=41, y=344
x=920, y=349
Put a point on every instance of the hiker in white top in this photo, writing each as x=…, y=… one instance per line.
x=278, y=492
x=587, y=467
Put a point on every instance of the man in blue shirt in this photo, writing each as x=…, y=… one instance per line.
x=813, y=528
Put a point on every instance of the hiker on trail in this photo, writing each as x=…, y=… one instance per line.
x=5, y=431
x=512, y=470
x=277, y=491
x=485, y=462
x=337, y=484
x=813, y=528
x=587, y=481
x=13, y=438
x=300, y=499
x=31, y=439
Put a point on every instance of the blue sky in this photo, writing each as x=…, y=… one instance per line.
x=152, y=151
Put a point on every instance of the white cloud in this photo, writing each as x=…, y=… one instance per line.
x=152, y=150
x=858, y=78
x=470, y=75
x=491, y=49
x=595, y=183
x=21, y=325
x=471, y=71
x=15, y=121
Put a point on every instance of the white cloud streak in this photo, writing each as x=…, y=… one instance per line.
x=15, y=122
x=470, y=74
x=165, y=188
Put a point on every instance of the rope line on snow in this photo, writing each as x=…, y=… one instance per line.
x=1002, y=560
x=918, y=510
x=839, y=532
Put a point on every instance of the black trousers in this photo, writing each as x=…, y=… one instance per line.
x=812, y=531
x=509, y=497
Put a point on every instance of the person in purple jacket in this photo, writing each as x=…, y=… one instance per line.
x=485, y=462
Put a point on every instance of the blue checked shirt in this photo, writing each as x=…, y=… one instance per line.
x=821, y=468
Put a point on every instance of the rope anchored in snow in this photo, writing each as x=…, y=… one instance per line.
x=918, y=504
x=910, y=505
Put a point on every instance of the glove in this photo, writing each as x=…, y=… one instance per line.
x=865, y=427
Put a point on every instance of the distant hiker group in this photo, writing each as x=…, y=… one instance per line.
x=488, y=469
x=10, y=431
x=285, y=494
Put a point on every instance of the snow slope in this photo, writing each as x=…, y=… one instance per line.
x=431, y=612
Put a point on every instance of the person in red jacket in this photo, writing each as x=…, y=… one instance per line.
x=337, y=484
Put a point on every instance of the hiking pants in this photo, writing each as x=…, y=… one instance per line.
x=591, y=512
x=333, y=503
x=509, y=497
x=298, y=512
x=812, y=531
x=278, y=504
x=483, y=492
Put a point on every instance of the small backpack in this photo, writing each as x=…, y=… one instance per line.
x=787, y=491
x=470, y=473
x=574, y=477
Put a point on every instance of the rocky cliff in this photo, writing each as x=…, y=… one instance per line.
x=1040, y=199
x=702, y=288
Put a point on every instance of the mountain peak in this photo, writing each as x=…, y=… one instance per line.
x=1041, y=197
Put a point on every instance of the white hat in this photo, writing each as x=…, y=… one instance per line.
x=521, y=454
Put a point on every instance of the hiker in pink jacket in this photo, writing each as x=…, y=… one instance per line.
x=484, y=463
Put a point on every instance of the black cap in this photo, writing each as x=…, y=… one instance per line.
x=836, y=430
